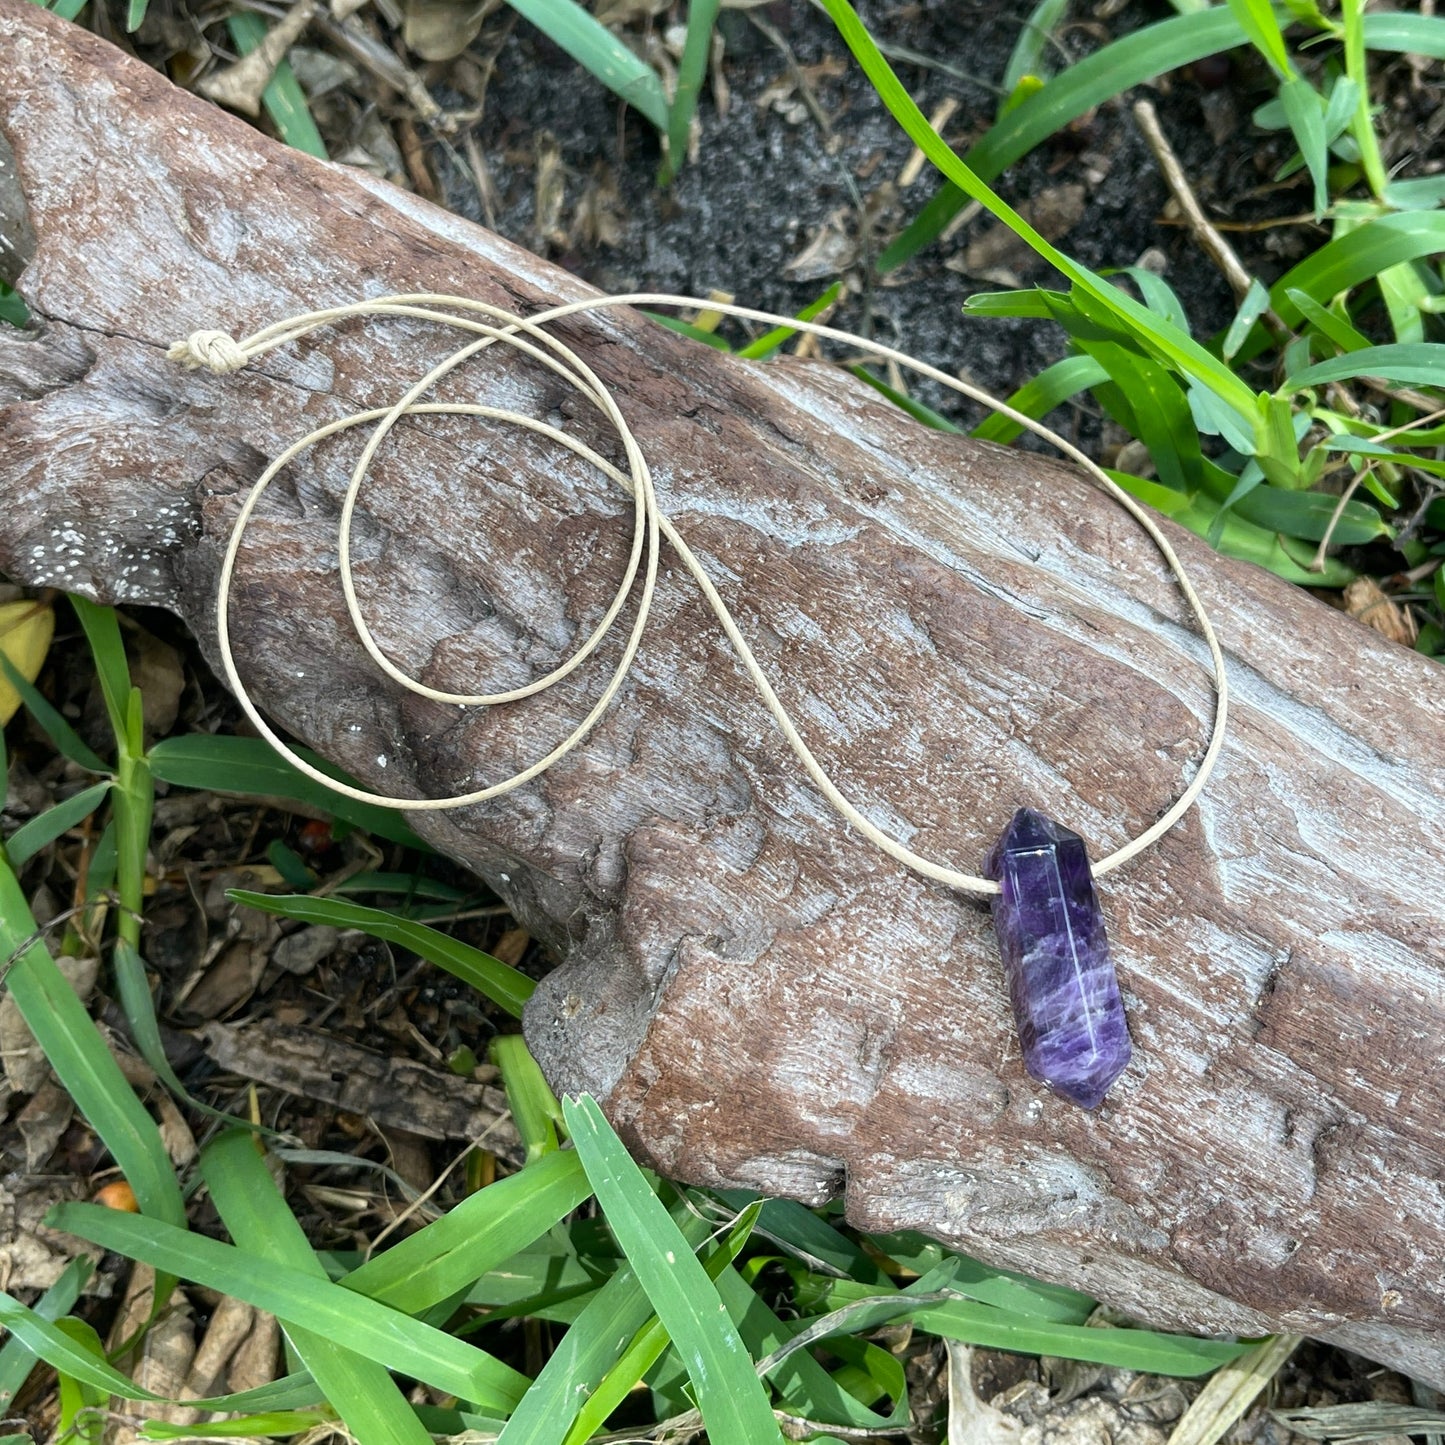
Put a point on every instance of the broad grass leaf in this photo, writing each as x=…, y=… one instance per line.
x=477, y=1235
x=370, y=1329
x=732, y=1401
x=506, y=986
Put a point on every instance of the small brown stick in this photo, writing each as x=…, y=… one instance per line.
x=1214, y=245
x=386, y=67
x=1317, y=562
x=481, y=179
x=913, y=166
x=1408, y=395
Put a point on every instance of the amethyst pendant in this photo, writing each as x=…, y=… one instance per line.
x=1056, y=958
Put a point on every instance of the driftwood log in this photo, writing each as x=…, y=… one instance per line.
x=760, y=999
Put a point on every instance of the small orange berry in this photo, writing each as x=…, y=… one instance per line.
x=118, y=1196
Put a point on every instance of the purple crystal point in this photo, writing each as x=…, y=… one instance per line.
x=1051, y=934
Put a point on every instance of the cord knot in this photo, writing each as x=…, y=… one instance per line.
x=214, y=350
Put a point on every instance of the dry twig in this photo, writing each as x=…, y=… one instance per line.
x=1213, y=243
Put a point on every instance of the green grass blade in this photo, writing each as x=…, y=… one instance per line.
x=287, y=1423
x=1178, y=350
x=588, y=1352
x=1308, y=515
x=693, y=333
x=47, y=1341
x=1405, y=33
x=369, y=1329
x=251, y=1207
x=1053, y=386
x=82, y=1405
x=1231, y=534
x=1000, y=1287
x=691, y=68
x=729, y=1395
x=919, y=411
x=251, y=766
x=1158, y=295
x=1256, y=18
x=1251, y=308
x=770, y=341
x=67, y=741
x=507, y=987
x=1129, y=1349
x=1029, y=59
x=804, y=1387
x=16, y=1358
x=1356, y=257
x=1306, y=117
x=1411, y=364
x=1115, y=68
x=132, y=805
x=534, y=1107
x=599, y=51
x=102, y=632
x=1032, y=304
x=1145, y=396
x=134, y=995
x=1358, y=447
x=81, y=1060
x=13, y=311
x=477, y=1235
x=1327, y=322
x=798, y=1230
x=283, y=98
x=648, y=1345
x=51, y=1344
x=26, y=841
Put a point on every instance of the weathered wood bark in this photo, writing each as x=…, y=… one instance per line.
x=760, y=999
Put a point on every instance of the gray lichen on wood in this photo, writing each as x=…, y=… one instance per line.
x=758, y=998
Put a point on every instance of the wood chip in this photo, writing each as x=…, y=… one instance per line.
x=1366, y=602
x=393, y=1092
x=231, y=1324
x=254, y=1363
x=512, y=945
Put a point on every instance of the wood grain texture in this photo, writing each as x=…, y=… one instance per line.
x=760, y=999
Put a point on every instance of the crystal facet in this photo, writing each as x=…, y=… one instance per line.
x=1051, y=934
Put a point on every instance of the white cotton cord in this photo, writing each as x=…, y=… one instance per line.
x=489, y=325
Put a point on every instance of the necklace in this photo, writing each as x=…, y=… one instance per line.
x=1037, y=878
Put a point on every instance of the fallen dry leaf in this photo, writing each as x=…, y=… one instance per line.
x=25, y=1064
x=1051, y=213
x=830, y=252
x=512, y=945
x=42, y=1121
x=442, y=29
x=25, y=632
x=240, y=86
x=1367, y=603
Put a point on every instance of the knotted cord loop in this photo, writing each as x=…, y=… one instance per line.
x=491, y=325
x=216, y=351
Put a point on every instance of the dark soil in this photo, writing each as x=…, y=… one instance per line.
x=769, y=177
